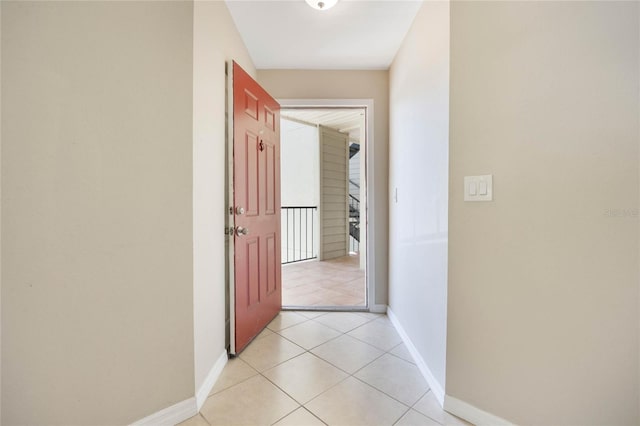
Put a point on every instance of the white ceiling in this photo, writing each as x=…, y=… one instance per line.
x=345, y=120
x=354, y=34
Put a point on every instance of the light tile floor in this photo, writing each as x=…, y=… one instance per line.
x=319, y=368
x=335, y=282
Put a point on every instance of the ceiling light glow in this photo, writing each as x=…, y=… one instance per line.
x=321, y=4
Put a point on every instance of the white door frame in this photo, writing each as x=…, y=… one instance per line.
x=367, y=104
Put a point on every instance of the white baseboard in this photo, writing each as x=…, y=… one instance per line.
x=473, y=414
x=212, y=377
x=436, y=387
x=170, y=416
x=186, y=409
x=454, y=406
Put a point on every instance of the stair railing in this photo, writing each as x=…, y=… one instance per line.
x=298, y=233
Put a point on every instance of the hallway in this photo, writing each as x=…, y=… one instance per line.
x=316, y=368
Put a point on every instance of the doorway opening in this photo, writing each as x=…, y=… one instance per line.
x=324, y=214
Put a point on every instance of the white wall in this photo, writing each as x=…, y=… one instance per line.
x=300, y=186
x=543, y=281
x=97, y=264
x=216, y=40
x=418, y=171
x=299, y=164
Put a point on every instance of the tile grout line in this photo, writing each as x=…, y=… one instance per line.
x=314, y=415
x=353, y=375
x=203, y=418
x=331, y=387
x=234, y=385
x=401, y=417
x=369, y=320
x=302, y=405
x=424, y=414
x=384, y=352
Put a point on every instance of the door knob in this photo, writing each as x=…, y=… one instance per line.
x=241, y=231
x=239, y=210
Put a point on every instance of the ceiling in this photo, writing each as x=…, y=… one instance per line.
x=345, y=120
x=354, y=34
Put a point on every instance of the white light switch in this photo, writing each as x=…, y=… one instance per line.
x=478, y=188
x=473, y=188
x=483, y=187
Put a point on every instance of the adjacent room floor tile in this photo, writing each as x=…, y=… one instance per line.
x=234, y=372
x=347, y=353
x=352, y=403
x=300, y=417
x=253, y=402
x=269, y=351
x=335, y=282
x=377, y=334
x=305, y=377
x=395, y=377
x=309, y=334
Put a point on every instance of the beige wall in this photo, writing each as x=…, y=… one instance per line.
x=216, y=40
x=418, y=170
x=97, y=264
x=0, y=216
x=308, y=84
x=543, y=281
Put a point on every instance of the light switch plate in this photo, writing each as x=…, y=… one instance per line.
x=474, y=188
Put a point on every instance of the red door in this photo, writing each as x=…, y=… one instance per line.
x=256, y=185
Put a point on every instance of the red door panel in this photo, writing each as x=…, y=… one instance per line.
x=256, y=176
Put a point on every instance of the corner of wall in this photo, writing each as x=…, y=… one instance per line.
x=419, y=189
x=215, y=41
x=0, y=215
x=472, y=414
x=171, y=415
x=211, y=379
x=436, y=387
x=450, y=404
